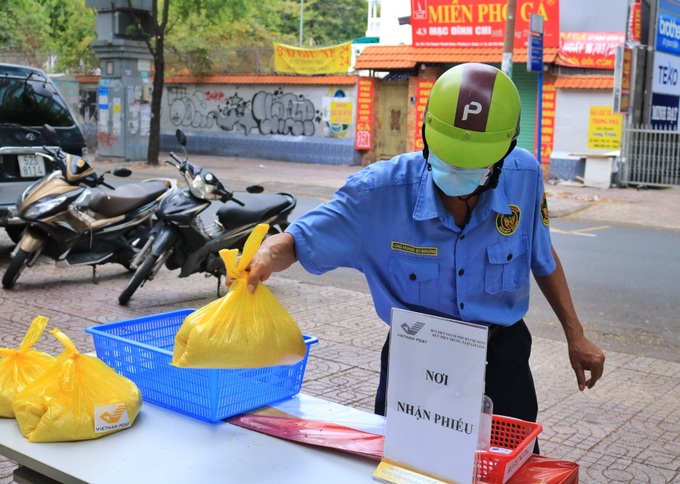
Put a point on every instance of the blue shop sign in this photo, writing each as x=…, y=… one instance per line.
x=664, y=111
x=668, y=34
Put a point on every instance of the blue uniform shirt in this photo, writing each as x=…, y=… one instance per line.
x=388, y=222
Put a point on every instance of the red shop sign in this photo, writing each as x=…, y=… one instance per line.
x=423, y=88
x=479, y=23
x=364, y=128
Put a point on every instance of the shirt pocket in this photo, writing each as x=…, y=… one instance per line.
x=415, y=280
x=507, y=265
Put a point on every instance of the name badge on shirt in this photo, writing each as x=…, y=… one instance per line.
x=412, y=249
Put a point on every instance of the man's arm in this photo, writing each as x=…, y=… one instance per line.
x=583, y=353
x=276, y=253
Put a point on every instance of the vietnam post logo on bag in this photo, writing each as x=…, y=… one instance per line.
x=111, y=417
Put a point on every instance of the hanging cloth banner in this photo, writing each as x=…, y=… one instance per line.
x=324, y=60
x=594, y=50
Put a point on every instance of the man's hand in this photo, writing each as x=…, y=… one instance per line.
x=275, y=254
x=586, y=356
x=260, y=268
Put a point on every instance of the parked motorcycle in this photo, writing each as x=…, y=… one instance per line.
x=75, y=218
x=181, y=239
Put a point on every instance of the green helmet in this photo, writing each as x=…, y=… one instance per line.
x=472, y=116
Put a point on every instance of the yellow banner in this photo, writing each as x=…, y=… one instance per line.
x=341, y=112
x=604, y=129
x=324, y=60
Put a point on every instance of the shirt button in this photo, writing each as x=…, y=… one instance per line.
x=461, y=272
x=509, y=256
x=412, y=277
x=462, y=305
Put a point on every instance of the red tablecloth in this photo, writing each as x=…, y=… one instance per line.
x=537, y=469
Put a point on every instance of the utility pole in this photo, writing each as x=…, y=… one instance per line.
x=509, y=39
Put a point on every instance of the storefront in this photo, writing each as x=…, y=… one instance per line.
x=445, y=34
x=418, y=68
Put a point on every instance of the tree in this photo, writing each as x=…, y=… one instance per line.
x=208, y=20
x=326, y=22
x=72, y=30
x=24, y=28
x=65, y=29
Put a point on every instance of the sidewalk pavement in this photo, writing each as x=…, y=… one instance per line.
x=626, y=429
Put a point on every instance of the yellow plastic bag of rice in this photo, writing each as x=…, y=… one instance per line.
x=78, y=398
x=20, y=367
x=241, y=329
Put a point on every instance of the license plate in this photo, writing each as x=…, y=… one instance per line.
x=31, y=166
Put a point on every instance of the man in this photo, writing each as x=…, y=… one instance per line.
x=453, y=231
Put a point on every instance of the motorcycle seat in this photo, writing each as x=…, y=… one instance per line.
x=257, y=207
x=125, y=198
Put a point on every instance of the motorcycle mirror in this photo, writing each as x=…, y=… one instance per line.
x=28, y=95
x=122, y=172
x=255, y=189
x=28, y=100
x=36, y=86
x=50, y=134
x=43, y=90
x=181, y=139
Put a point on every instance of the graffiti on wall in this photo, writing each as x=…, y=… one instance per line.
x=277, y=112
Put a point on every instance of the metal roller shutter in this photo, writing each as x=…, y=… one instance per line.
x=527, y=85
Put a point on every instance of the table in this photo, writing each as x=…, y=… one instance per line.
x=166, y=446
x=599, y=168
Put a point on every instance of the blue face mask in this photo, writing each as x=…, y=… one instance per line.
x=455, y=181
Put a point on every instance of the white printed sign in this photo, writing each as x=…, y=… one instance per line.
x=666, y=74
x=434, y=394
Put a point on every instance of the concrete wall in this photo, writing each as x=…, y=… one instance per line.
x=283, y=122
x=279, y=122
x=572, y=113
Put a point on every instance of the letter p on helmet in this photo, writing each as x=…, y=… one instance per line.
x=471, y=108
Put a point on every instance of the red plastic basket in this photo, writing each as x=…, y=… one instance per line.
x=514, y=441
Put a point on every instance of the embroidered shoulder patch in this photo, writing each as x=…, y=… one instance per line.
x=507, y=224
x=545, y=215
x=412, y=249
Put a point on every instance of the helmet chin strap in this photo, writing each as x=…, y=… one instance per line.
x=492, y=182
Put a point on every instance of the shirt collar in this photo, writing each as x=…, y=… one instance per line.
x=426, y=201
x=494, y=200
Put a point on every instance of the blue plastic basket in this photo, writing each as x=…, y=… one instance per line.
x=141, y=350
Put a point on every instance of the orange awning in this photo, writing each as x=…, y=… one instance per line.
x=585, y=82
x=345, y=80
x=393, y=57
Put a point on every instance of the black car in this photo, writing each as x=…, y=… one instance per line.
x=28, y=100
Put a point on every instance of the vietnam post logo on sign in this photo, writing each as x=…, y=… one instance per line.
x=666, y=74
x=111, y=417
